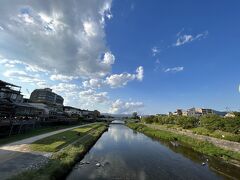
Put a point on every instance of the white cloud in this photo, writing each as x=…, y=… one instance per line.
x=74, y=95
x=61, y=42
x=12, y=62
x=24, y=77
x=93, y=83
x=65, y=88
x=90, y=28
x=155, y=51
x=119, y=80
x=9, y=65
x=105, y=11
x=174, y=69
x=65, y=37
x=63, y=78
x=92, y=96
x=121, y=107
x=115, y=80
x=34, y=68
x=9, y=61
x=139, y=72
x=108, y=58
x=186, y=38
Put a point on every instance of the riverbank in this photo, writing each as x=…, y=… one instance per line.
x=34, y=132
x=61, y=162
x=58, y=141
x=209, y=125
x=222, y=143
x=197, y=145
x=201, y=131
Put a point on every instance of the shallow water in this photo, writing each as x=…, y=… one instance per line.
x=125, y=154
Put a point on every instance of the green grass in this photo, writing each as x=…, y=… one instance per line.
x=56, y=142
x=197, y=145
x=32, y=133
x=62, y=162
x=172, y=126
x=217, y=134
x=203, y=131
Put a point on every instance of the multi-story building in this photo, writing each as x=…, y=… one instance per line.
x=196, y=112
x=204, y=111
x=29, y=110
x=10, y=92
x=73, y=111
x=91, y=114
x=9, y=95
x=193, y=112
x=46, y=96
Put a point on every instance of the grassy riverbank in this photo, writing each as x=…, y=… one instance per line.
x=217, y=134
x=56, y=142
x=197, y=145
x=204, y=131
x=61, y=163
x=211, y=125
x=34, y=132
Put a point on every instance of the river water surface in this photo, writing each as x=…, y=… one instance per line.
x=123, y=154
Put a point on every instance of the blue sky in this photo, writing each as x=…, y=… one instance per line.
x=124, y=56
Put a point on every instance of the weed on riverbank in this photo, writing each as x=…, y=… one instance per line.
x=217, y=134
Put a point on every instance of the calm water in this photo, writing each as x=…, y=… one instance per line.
x=125, y=154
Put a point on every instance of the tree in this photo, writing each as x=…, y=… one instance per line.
x=134, y=115
x=212, y=122
x=187, y=122
x=236, y=113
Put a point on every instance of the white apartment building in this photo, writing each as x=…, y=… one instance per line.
x=197, y=112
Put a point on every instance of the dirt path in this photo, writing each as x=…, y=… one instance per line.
x=17, y=156
x=225, y=144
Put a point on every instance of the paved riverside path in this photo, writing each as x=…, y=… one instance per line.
x=17, y=156
x=225, y=144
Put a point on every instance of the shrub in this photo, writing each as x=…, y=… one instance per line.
x=187, y=122
x=210, y=122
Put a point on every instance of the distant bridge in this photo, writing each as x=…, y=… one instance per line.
x=112, y=119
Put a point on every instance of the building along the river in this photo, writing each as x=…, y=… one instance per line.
x=9, y=95
x=46, y=96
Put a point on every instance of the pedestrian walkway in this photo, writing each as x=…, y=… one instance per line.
x=17, y=156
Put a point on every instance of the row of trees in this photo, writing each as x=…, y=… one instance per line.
x=211, y=122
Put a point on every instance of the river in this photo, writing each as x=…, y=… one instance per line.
x=123, y=154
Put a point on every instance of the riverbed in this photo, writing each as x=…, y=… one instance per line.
x=123, y=154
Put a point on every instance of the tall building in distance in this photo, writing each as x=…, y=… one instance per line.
x=46, y=96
